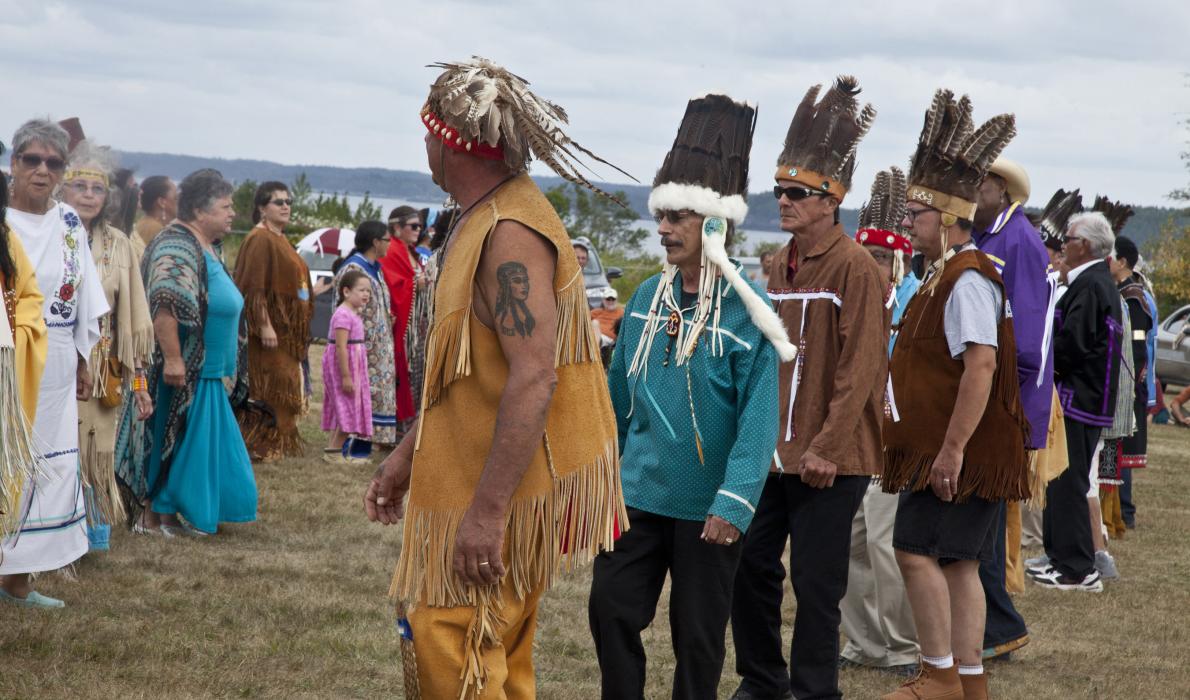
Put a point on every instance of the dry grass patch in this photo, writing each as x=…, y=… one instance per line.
x=294, y=606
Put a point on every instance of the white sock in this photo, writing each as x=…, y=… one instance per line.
x=965, y=670
x=940, y=662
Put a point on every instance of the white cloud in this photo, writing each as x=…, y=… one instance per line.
x=1098, y=90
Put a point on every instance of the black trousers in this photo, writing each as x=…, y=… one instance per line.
x=1004, y=623
x=817, y=523
x=1066, y=522
x=624, y=592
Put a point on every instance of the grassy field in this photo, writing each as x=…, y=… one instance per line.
x=294, y=606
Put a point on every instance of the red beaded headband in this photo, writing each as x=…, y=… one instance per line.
x=454, y=140
x=884, y=239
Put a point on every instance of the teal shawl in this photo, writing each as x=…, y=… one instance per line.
x=175, y=275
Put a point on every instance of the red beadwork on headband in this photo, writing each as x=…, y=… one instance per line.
x=453, y=140
x=884, y=239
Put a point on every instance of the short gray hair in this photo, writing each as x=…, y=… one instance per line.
x=44, y=131
x=1095, y=230
x=199, y=191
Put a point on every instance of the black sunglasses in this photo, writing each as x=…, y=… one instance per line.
x=33, y=161
x=416, y=226
x=796, y=193
x=673, y=216
x=283, y=202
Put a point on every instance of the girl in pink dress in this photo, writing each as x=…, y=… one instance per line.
x=347, y=398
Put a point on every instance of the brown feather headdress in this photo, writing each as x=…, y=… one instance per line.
x=481, y=108
x=820, y=146
x=1057, y=213
x=953, y=156
x=1117, y=213
x=880, y=219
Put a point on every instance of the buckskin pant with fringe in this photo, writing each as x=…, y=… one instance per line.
x=440, y=637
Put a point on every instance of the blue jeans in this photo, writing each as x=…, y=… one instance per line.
x=1004, y=623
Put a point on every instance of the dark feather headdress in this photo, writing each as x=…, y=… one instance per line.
x=885, y=208
x=953, y=156
x=479, y=107
x=706, y=172
x=1056, y=215
x=880, y=219
x=706, y=169
x=820, y=146
x=1117, y=213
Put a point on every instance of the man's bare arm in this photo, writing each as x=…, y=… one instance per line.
x=516, y=299
x=975, y=386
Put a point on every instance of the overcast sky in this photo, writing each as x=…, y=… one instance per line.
x=1100, y=89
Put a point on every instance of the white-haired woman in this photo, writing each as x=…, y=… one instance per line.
x=126, y=336
x=53, y=533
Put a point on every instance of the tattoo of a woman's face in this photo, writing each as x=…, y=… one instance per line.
x=512, y=314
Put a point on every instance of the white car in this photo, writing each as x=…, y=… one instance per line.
x=1173, y=348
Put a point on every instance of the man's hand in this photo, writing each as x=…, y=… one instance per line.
x=719, y=531
x=479, y=546
x=944, y=474
x=815, y=471
x=268, y=337
x=144, y=404
x=82, y=384
x=384, y=502
x=175, y=372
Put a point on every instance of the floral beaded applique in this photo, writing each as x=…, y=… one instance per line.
x=64, y=303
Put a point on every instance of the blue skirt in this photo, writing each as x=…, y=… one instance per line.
x=211, y=479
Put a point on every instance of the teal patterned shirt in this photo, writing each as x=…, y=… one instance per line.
x=734, y=398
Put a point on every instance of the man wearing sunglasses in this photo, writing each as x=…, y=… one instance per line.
x=829, y=293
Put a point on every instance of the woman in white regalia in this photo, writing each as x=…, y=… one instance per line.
x=52, y=533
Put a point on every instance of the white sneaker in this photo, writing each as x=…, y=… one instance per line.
x=1091, y=583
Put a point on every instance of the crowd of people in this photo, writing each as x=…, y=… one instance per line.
x=150, y=375
x=902, y=408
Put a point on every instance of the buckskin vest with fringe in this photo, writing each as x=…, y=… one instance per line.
x=925, y=380
x=569, y=501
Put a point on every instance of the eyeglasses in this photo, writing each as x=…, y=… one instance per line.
x=796, y=194
x=912, y=214
x=673, y=216
x=82, y=188
x=34, y=161
x=1072, y=239
x=283, y=202
x=414, y=225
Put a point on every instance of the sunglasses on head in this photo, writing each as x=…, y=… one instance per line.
x=34, y=161
x=283, y=202
x=796, y=193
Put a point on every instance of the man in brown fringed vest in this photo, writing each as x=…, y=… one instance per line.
x=512, y=470
x=958, y=450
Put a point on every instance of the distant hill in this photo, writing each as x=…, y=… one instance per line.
x=416, y=186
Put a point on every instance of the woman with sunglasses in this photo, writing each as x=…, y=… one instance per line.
x=126, y=336
x=371, y=246
x=54, y=533
x=278, y=304
x=405, y=274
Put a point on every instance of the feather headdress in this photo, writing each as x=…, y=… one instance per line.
x=706, y=172
x=1117, y=213
x=820, y=146
x=479, y=107
x=1057, y=213
x=953, y=156
x=880, y=219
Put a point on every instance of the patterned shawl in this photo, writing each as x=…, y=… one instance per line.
x=175, y=275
